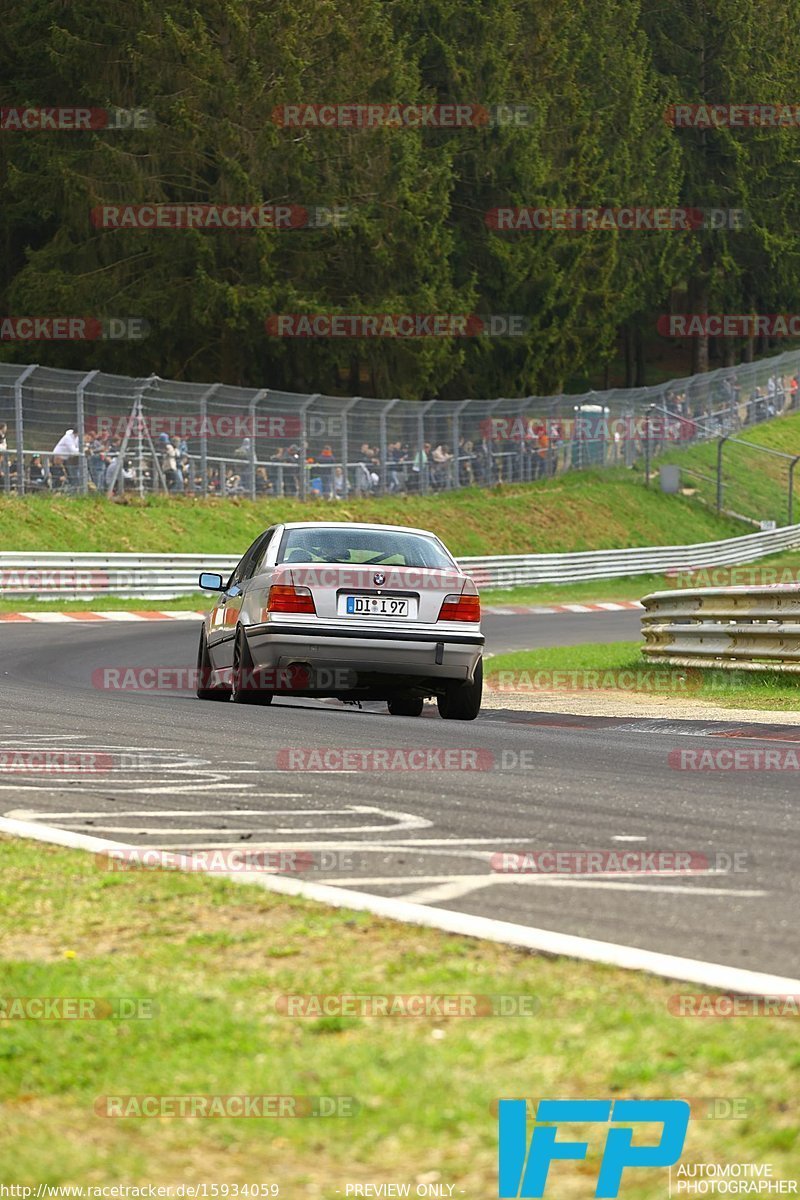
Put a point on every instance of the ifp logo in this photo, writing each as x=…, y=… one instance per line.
x=523, y=1170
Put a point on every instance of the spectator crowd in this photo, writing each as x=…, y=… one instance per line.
x=508, y=451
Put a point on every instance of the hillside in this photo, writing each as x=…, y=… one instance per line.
x=582, y=511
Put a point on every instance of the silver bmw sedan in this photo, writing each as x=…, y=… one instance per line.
x=354, y=611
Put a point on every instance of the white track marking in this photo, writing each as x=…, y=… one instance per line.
x=138, y=819
x=400, y=844
x=602, y=876
x=450, y=889
x=630, y=958
x=25, y=814
x=455, y=886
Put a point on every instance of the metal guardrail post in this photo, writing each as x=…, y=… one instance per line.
x=424, y=466
x=204, y=399
x=491, y=440
x=792, y=466
x=304, y=407
x=259, y=396
x=80, y=416
x=459, y=408
x=720, y=448
x=18, y=421
x=345, y=446
x=647, y=434
x=384, y=444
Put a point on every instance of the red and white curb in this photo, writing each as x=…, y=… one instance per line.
x=507, y=610
x=61, y=618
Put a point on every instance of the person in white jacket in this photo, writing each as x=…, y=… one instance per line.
x=68, y=447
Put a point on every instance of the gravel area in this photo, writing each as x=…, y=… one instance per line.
x=632, y=704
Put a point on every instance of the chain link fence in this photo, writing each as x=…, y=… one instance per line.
x=72, y=433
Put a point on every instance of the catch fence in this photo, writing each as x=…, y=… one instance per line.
x=76, y=433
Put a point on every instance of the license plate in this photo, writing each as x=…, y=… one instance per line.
x=376, y=606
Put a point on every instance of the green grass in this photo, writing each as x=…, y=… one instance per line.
x=755, y=484
x=213, y=956
x=729, y=689
x=579, y=511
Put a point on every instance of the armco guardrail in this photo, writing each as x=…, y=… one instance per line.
x=525, y=569
x=741, y=628
x=81, y=576
x=154, y=576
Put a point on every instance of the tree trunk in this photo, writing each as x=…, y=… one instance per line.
x=628, y=352
x=641, y=370
x=698, y=303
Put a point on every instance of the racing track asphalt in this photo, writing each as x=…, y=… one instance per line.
x=211, y=775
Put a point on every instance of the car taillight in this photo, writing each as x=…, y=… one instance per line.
x=283, y=598
x=460, y=608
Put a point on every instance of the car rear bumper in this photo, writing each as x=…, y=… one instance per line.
x=429, y=653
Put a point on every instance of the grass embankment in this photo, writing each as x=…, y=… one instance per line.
x=215, y=955
x=591, y=510
x=755, y=484
x=582, y=511
x=728, y=689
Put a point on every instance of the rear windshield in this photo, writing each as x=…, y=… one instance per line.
x=372, y=546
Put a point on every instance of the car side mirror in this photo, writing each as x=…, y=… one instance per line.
x=211, y=582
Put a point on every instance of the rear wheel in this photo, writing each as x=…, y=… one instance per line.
x=405, y=706
x=462, y=701
x=242, y=675
x=204, y=673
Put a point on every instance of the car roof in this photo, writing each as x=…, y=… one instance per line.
x=357, y=525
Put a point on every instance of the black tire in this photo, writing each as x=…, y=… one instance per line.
x=242, y=674
x=204, y=673
x=462, y=701
x=405, y=706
